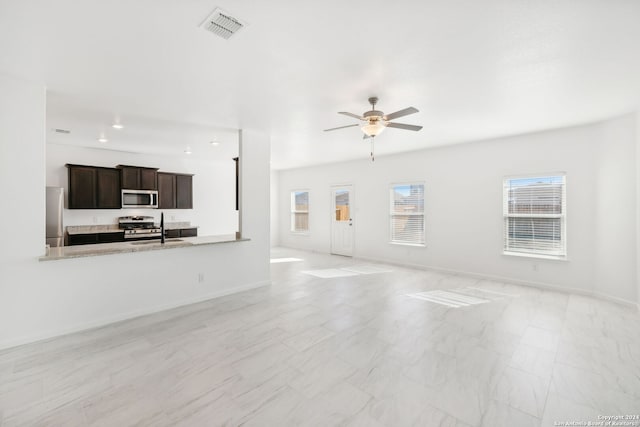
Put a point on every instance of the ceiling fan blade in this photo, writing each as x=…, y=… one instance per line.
x=403, y=126
x=355, y=116
x=341, y=127
x=401, y=113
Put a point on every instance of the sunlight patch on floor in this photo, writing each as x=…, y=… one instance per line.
x=279, y=260
x=329, y=273
x=355, y=270
x=449, y=298
x=367, y=269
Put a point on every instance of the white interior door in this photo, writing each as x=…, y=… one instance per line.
x=342, y=220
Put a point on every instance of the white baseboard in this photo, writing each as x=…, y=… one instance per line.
x=53, y=333
x=539, y=285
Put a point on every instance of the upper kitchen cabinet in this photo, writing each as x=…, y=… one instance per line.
x=166, y=190
x=184, y=191
x=82, y=187
x=108, y=188
x=92, y=187
x=139, y=178
x=175, y=191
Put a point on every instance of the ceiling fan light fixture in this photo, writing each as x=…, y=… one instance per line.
x=373, y=128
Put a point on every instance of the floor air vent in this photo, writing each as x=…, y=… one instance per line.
x=222, y=24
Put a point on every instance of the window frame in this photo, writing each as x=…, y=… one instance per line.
x=293, y=211
x=392, y=214
x=562, y=216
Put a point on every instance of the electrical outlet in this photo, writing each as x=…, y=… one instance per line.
x=95, y=219
x=173, y=217
x=534, y=266
x=200, y=277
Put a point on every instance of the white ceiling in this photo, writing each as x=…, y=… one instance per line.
x=474, y=69
x=140, y=135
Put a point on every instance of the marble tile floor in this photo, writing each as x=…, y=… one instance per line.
x=343, y=351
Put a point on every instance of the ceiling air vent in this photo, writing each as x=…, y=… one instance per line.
x=222, y=24
x=65, y=131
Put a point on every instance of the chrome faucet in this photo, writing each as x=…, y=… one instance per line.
x=162, y=228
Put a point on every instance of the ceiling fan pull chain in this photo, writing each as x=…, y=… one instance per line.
x=373, y=159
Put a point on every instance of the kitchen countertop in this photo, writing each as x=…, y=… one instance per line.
x=113, y=228
x=90, y=229
x=66, y=252
x=177, y=225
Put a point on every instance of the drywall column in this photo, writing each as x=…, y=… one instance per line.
x=637, y=159
x=615, y=244
x=22, y=172
x=274, y=208
x=22, y=159
x=255, y=152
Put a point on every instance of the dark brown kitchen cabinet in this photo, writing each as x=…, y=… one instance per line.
x=175, y=191
x=172, y=234
x=82, y=239
x=92, y=187
x=108, y=188
x=82, y=187
x=189, y=232
x=166, y=190
x=93, y=238
x=181, y=232
x=139, y=178
x=184, y=191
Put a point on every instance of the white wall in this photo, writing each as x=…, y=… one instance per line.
x=44, y=299
x=637, y=157
x=275, y=237
x=615, y=245
x=213, y=187
x=464, y=205
x=22, y=163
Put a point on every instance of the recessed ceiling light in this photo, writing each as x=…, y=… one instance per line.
x=215, y=143
x=187, y=151
x=103, y=139
x=117, y=126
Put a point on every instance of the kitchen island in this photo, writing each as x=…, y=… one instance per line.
x=66, y=252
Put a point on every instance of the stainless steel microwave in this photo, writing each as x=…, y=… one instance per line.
x=139, y=199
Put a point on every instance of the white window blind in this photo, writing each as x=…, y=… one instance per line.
x=535, y=215
x=300, y=211
x=407, y=214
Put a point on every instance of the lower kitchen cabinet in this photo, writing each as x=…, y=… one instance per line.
x=82, y=239
x=111, y=237
x=93, y=238
x=189, y=232
x=181, y=232
x=172, y=234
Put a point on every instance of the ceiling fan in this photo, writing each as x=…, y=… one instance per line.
x=375, y=121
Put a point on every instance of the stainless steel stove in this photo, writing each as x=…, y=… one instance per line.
x=139, y=227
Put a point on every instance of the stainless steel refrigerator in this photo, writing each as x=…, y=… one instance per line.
x=55, y=207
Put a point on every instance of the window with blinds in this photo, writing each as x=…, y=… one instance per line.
x=535, y=216
x=407, y=214
x=300, y=211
